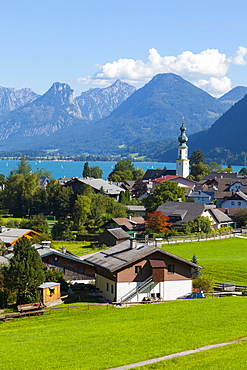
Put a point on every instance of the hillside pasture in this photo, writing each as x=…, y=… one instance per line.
x=106, y=338
x=223, y=259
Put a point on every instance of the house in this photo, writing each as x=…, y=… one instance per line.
x=50, y=291
x=73, y=267
x=130, y=224
x=10, y=235
x=237, y=200
x=221, y=188
x=112, y=237
x=132, y=272
x=182, y=212
x=76, y=184
x=137, y=209
x=154, y=174
x=200, y=197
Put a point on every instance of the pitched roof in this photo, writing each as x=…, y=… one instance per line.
x=120, y=256
x=130, y=223
x=153, y=174
x=219, y=215
x=10, y=235
x=118, y=233
x=221, y=175
x=108, y=187
x=184, y=211
x=46, y=251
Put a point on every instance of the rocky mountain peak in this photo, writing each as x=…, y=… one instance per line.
x=99, y=103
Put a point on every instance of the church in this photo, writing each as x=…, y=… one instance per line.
x=182, y=163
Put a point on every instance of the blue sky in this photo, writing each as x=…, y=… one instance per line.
x=92, y=43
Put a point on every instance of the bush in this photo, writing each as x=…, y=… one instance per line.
x=204, y=283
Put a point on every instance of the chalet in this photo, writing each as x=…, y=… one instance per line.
x=237, y=200
x=132, y=272
x=200, y=197
x=182, y=212
x=73, y=267
x=112, y=237
x=10, y=235
x=112, y=190
x=130, y=224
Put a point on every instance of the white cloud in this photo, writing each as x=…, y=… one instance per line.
x=206, y=70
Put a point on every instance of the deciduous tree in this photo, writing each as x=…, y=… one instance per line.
x=157, y=222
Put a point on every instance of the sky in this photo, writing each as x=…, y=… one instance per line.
x=90, y=44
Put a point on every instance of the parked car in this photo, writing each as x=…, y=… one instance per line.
x=244, y=293
x=192, y=295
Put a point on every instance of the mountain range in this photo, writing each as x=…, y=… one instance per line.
x=128, y=117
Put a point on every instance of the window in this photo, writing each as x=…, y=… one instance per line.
x=232, y=203
x=52, y=291
x=62, y=269
x=138, y=270
x=107, y=287
x=56, y=258
x=170, y=269
x=112, y=289
x=239, y=203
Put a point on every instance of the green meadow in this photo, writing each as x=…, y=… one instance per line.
x=224, y=259
x=103, y=338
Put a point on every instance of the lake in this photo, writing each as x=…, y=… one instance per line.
x=74, y=169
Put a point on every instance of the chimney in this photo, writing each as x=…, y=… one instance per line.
x=63, y=249
x=158, y=242
x=46, y=244
x=2, y=229
x=129, y=217
x=132, y=243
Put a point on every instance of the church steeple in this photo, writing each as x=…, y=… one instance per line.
x=182, y=163
x=182, y=138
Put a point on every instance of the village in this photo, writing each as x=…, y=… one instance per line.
x=124, y=243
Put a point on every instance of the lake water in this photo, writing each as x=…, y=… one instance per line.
x=74, y=169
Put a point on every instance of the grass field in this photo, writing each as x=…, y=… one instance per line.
x=105, y=338
x=230, y=357
x=78, y=248
x=224, y=259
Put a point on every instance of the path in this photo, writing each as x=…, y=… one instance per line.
x=174, y=355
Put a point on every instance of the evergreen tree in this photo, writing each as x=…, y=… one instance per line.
x=196, y=157
x=86, y=170
x=197, y=270
x=25, y=272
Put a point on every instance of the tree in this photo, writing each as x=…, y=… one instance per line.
x=25, y=272
x=125, y=170
x=196, y=157
x=198, y=171
x=163, y=192
x=81, y=211
x=56, y=276
x=243, y=171
x=62, y=230
x=139, y=188
x=37, y=223
x=86, y=170
x=240, y=217
x=197, y=270
x=59, y=199
x=214, y=167
x=199, y=224
x=157, y=222
x=94, y=171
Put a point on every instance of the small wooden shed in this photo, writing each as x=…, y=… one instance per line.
x=50, y=291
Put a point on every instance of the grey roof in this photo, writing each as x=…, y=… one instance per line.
x=120, y=256
x=10, y=234
x=199, y=194
x=154, y=174
x=46, y=251
x=136, y=208
x=186, y=210
x=108, y=187
x=48, y=284
x=219, y=215
x=4, y=260
x=118, y=233
x=220, y=175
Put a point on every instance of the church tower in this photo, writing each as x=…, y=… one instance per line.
x=182, y=163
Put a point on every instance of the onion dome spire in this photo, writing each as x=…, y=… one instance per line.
x=182, y=138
